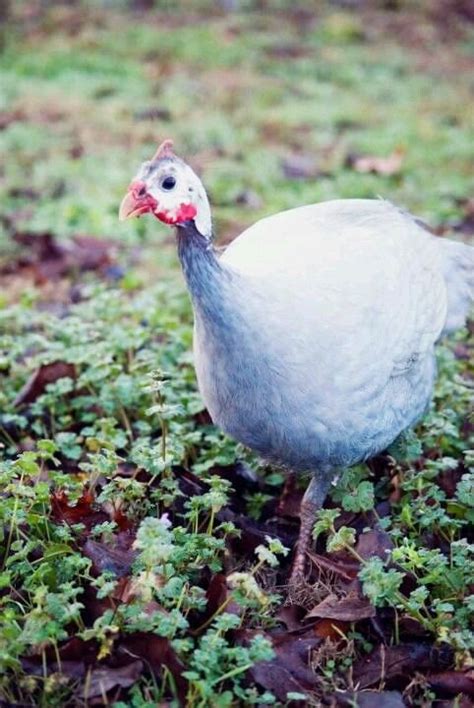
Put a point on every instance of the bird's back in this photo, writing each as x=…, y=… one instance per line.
x=363, y=249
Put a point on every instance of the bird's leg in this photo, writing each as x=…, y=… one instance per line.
x=312, y=501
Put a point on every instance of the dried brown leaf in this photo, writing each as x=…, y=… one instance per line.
x=63, y=510
x=8, y=117
x=351, y=608
x=291, y=616
x=50, y=260
x=331, y=629
x=347, y=570
x=453, y=682
x=100, y=681
x=300, y=167
x=156, y=652
x=105, y=557
x=289, y=671
x=374, y=543
x=370, y=699
x=386, y=166
x=386, y=663
x=44, y=375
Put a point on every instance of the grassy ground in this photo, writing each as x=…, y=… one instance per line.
x=143, y=553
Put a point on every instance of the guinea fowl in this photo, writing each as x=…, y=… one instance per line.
x=314, y=332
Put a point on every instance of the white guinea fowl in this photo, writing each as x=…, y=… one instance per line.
x=315, y=330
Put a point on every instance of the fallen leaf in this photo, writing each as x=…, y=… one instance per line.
x=289, y=671
x=34, y=666
x=63, y=510
x=44, y=375
x=370, y=699
x=105, y=557
x=153, y=113
x=410, y=629
x=202, y=417
x=42, y=253
x=288, y=51
x=191, y=485
x=115, y=512
x=90, y=253
x=50, y=260
x=292, y=617
x=156, y=652
x=374, y=543
x=347, y=570
x=386, y=663
x=453, y=682
x=75, y=656
x=76, y=151
x=331, y=629
x=217, y=594
x=300, y=167
x=100, y=681
x=129, y=588
x=386, y=166
x=94, y=607
x=8, y=117
x=76, y=649
x=122, y=521
x=448, y=479
x=24, y=193
x=249, y=198
x=350, y=608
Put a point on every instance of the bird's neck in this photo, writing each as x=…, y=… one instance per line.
x=209, y=282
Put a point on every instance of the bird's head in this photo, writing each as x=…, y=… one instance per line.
x=167, y=187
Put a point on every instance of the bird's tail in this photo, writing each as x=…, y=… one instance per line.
x=458, y=269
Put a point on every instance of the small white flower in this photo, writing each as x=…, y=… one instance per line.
x=165, y=520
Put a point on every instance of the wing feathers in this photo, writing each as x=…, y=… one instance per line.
x=457, y=262
x=361, y=274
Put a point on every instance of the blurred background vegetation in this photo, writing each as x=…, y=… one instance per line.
x=273, y=102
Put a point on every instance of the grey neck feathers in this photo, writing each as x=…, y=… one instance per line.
x=209, y=282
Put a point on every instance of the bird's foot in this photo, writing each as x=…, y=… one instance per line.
x=298, y=587
x=297, y=580
x=312, y=501
x=297, y=574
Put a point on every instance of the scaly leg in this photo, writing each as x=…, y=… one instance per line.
x=312, y=501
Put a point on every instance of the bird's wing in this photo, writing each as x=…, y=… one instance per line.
x=457, y=261
x=360, y=273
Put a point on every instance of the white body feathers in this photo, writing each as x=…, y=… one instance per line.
x=327, y=351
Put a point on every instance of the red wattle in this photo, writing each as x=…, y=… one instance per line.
x=185, y=212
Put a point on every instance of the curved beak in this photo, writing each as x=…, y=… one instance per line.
x=128, y=207
x=136, y=202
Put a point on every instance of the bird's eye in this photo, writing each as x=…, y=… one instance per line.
x=168, y=184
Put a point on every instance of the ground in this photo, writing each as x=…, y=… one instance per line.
x=145, y=556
